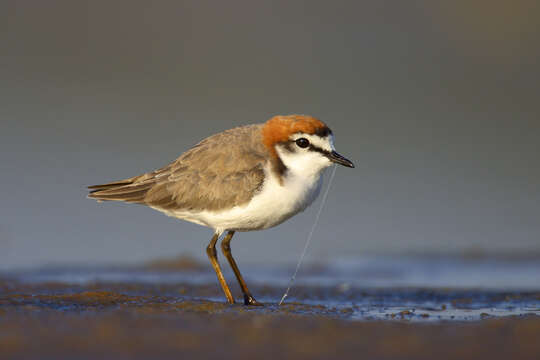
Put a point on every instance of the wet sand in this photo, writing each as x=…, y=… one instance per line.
x=128, y=320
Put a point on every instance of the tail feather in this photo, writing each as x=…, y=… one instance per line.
x=123, y=190
x=110, y=185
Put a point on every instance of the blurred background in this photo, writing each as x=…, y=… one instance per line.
x=437, y=103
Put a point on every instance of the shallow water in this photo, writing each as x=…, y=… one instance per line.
x=371, y=288
x=382, y=308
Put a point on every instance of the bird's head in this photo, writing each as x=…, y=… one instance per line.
x=302, y=143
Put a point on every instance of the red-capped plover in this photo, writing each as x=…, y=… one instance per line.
x=248, y=178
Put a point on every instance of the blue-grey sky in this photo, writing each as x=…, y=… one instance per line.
x=435, y=102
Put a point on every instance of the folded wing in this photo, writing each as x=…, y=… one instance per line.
x=220, y=172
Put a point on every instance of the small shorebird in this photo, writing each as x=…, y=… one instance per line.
x=248, y=178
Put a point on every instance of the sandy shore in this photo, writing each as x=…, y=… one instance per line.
x=142, y=321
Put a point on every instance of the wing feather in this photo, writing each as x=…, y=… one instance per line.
x=220, y=172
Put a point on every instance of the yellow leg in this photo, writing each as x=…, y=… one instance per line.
x=212, y=255
x=226, y=248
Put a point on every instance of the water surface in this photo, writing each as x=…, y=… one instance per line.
x=370, y=288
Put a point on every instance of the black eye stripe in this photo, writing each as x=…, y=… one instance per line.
x=290, y=146
x=318, y=149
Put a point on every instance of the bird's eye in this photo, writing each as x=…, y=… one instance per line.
x=302, y=142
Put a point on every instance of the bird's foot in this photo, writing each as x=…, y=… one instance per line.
x=250, y=301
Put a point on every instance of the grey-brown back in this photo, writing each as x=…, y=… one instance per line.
x=222, y=171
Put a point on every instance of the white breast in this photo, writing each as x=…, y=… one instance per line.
x=275, y=202
x=271, y=206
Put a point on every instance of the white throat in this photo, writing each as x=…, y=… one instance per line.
x=304, y=163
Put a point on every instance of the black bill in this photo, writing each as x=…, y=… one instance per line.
x=338, y=159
